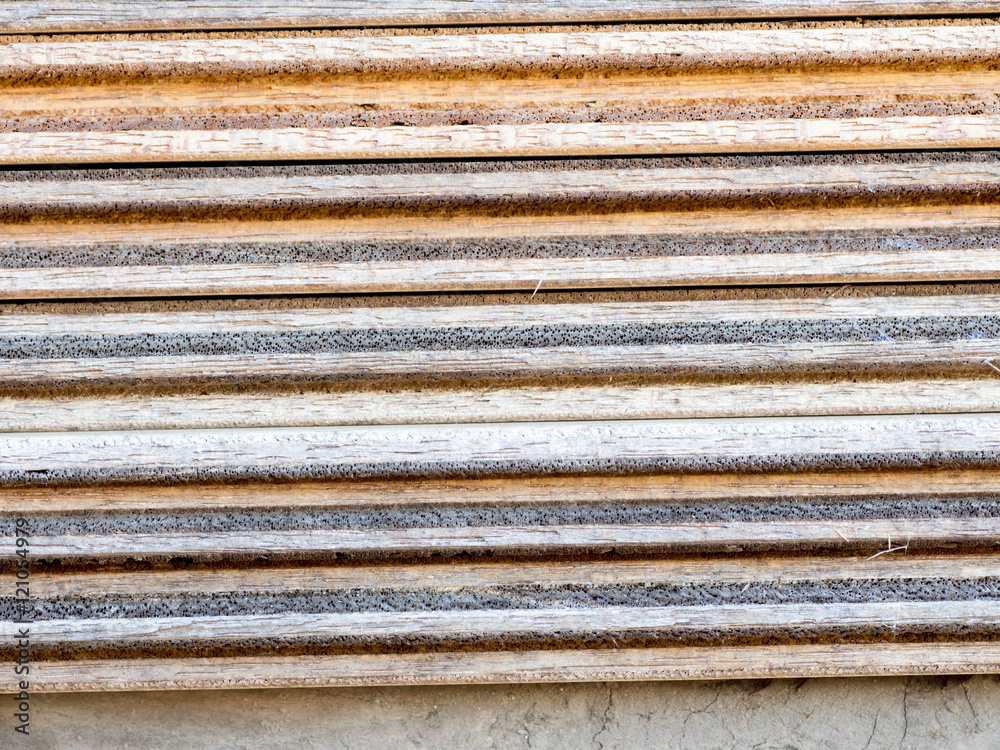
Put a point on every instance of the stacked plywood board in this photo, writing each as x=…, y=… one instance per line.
x=353, y=343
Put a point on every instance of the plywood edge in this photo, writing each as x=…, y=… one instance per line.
x=498, y=404
x=490, y=141
x=756, y=662
x=722, y=536
x=387, y=450
x=850, y=267
x=680, y=571
x=693, y=487
x=53, y=235
x=65, y=16
x=551, y=49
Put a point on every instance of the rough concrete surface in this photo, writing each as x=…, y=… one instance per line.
x=939, y=712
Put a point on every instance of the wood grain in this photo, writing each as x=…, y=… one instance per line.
x=486, y=141
x=678, y=572
x=692, y=445
x=526, y=185
x=906, y=357
x=533, y=491
x=474, y=454
x=719, y=537
x=401, y=317
x=177, y=235
x=57, y=16
x=567, y=622
x=178, y=277
x=849, y=267
x=428, y=406
x=651, y=48
x=717, y=662
x=454, y=96
x=525, y=274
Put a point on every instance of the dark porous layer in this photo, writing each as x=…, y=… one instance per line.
x=127, y=473
x=615, y=246
x=533, y=515
x=757, y=332
x=478, y=643
x=509, y=598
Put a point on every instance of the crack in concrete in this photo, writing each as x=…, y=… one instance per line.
x=975, y=714
x=872, y=735
x=604, y=719
x=705, y=710
x=906, y=717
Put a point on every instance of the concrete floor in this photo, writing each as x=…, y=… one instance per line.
x=946, y=712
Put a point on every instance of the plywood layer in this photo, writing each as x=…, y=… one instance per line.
x=649, y=48
x=49, y=16
x=583, y=447
x=541, y=540
x=574, y=665
x=808, y=587
x=629, y=182
x=85, y=256
x=579, y=93
x=490, y=141
x=452, y=344
x=313, y=408
x=695, y=488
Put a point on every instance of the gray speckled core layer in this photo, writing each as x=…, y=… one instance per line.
x=506, y=598
x=498, y=468
x=555, y=514
x=458, y=338
x=614, y=246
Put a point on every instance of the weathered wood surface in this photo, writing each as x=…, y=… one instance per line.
x=574, y=665
x=677, y=48
x=52, y=16
x=492, y=141
x=51, y=277
x=722, y=619
x=444, y=317
x=669, y=571
x=533, y=491
x=623, y=184
x=455, y=96
x=76, y=346
x=501, y=275
x=718, y=537
x=436, y=450
x=191, y=472
x=176, y=235
x=550, y=132
x=427, y=406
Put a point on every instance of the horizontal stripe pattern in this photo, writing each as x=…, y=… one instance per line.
x=336, y=355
